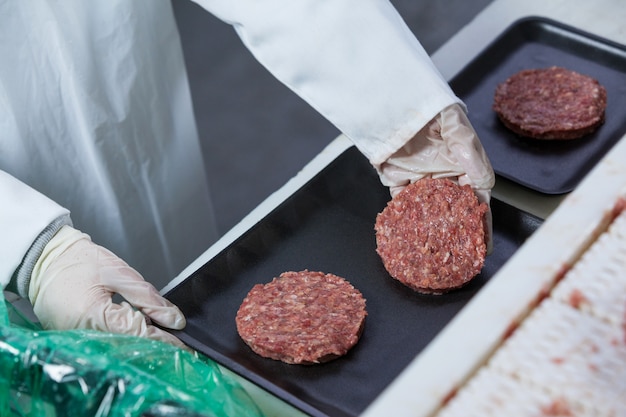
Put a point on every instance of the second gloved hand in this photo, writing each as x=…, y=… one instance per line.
x=448, y=147
x=73, y=283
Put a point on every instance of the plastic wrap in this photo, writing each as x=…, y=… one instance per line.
x=89, y=373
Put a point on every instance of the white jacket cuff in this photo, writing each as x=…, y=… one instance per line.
x=28, y=220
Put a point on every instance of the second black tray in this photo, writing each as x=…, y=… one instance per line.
x=550, y=167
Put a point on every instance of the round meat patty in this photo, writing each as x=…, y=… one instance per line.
x=302, y=317
x=550, y=103
x=431, y=235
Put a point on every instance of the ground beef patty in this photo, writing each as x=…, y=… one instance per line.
x=431, y=235
x=302, y=317
x=550, y=103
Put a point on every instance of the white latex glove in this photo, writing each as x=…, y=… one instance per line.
x=73, y=282
x=448, y=147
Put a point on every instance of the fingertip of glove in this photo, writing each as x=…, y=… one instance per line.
x=179, y=322
x=170, y=317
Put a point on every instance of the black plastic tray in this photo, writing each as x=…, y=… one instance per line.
x=550, y=167
x=328, y=225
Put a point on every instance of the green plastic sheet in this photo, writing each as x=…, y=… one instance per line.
x=90, y=373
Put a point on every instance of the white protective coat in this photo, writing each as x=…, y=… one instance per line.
x=95, y=110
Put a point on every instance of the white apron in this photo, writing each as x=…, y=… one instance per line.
x=95, y=113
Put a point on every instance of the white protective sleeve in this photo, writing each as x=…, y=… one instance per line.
x=30, y=219
x=354, y=61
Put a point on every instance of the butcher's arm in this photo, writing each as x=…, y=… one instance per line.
x=355, y=61
x=359, y=65
x=69, y=279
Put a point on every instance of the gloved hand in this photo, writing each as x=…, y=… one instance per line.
x=448, y=147
x=73, y=283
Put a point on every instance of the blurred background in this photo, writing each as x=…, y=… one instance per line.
x=255, y=133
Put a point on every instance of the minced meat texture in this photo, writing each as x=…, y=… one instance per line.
x=303, y=317
x=550, y=103
x=431, y=235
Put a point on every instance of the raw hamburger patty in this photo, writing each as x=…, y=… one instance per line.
x=302, y=317
x=550, y=103
x=431, y=235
